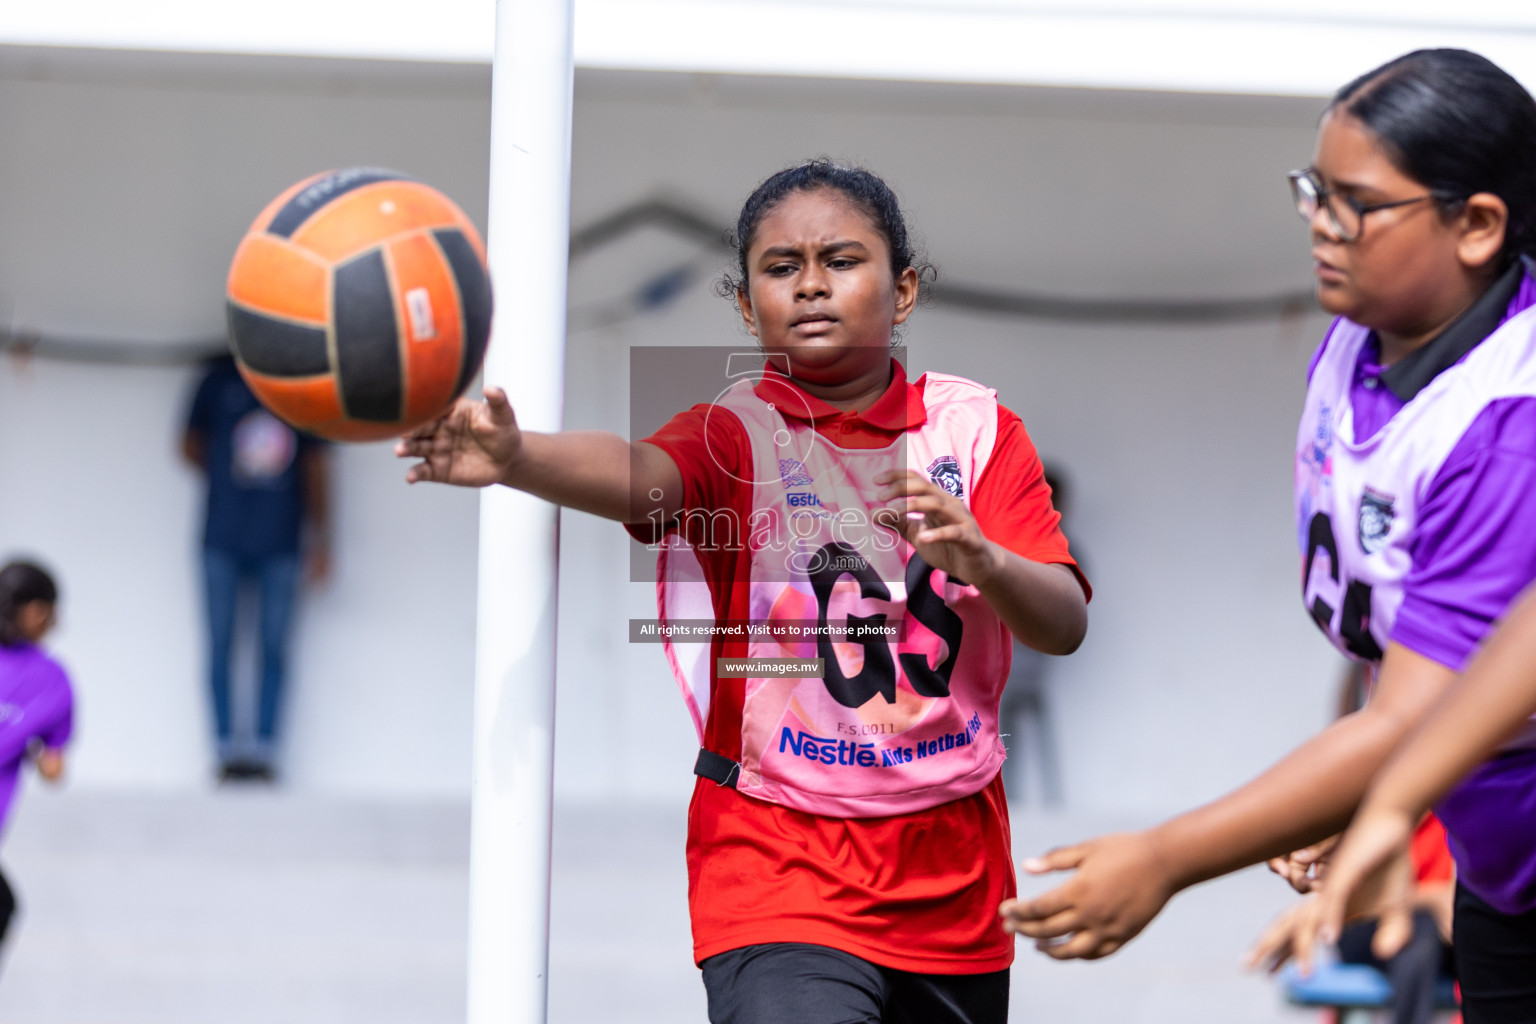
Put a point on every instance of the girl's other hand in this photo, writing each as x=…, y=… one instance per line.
x=473, y=444
x=938, y=525
x=317, y=564
x=1304, y=868
x=50, y=764
x=1120, y=886
x=1369, y=874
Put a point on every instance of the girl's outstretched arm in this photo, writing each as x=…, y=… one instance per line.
x=1494, y=699
x=1122, y=881
x=476, y=444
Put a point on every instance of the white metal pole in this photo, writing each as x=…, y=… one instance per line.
x=529, y=227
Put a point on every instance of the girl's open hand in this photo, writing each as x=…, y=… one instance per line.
x=938, y=525
x=473, y=444
x=1119, y=888
x=1277, y=944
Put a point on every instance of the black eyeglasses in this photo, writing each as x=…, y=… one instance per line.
x=1346, y=214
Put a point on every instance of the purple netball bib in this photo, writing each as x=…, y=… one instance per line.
x=1357, y=505
x=1357, y=498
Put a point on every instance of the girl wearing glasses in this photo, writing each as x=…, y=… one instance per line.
x=1416, y=511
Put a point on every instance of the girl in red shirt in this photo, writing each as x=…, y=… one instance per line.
x=848, y=836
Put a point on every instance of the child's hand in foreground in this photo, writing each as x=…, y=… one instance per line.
x=473, y=444
x=1119, y=887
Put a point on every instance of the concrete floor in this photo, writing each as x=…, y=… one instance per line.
x=251, y=907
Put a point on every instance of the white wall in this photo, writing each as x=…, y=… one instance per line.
x=1265, y=47
x=124, y=188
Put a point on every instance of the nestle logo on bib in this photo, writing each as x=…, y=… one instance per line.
x=800, y=499
x=1375, y=521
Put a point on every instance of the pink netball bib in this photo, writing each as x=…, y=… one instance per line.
x=904, y=716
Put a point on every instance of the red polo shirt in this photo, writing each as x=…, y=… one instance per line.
x=916, y=892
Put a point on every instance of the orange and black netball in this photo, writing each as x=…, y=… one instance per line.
x=359, y=304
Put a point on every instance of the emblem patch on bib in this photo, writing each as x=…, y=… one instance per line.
x=945, y=471
x=1376, y=516
x=792, y=472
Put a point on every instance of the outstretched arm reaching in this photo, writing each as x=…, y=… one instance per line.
x=476, y=444
x=1122, y=881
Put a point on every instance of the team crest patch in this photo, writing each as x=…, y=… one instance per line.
x=1376, y=516
x=945, y=471
x=792, y=472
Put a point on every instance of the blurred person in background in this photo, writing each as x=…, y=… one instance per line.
x=267, y=506
x=1414, y=950
x=36, y=701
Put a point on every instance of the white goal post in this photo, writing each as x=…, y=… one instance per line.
x=514, y=716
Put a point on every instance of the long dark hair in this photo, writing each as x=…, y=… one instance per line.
x=1459, y=124
x=21, y=583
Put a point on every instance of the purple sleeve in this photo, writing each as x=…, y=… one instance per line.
x=61, y=723
x=1474, y=546
x=44, y=711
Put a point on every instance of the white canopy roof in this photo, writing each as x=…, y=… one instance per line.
x=1296, y=47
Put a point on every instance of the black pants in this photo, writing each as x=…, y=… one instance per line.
x=7, y=906
x=798, y=983
x=1414, y=971
x=1495, y=962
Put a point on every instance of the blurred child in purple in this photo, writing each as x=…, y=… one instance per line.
x=36, y=702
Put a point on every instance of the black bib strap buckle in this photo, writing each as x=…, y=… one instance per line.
x=722, y=771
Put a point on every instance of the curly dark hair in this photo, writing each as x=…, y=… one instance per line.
x=863, y=188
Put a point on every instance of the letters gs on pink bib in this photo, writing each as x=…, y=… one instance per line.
x=894, y=726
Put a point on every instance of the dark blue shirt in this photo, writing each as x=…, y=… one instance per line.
x=254, y=467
